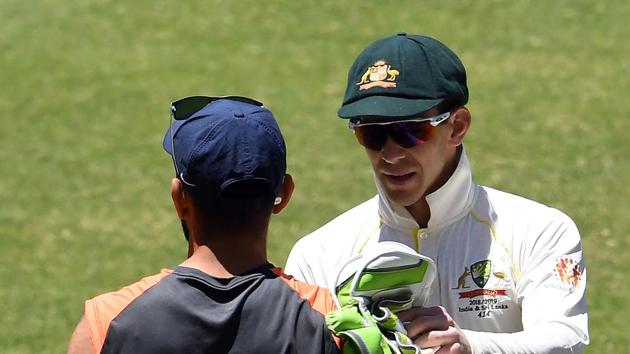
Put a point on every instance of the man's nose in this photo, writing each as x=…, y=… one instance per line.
x=392, y=151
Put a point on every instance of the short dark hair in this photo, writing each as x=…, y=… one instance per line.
x=245, y=195
x=242, y=206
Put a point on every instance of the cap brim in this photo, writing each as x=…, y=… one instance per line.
x=386, y=106
x=167, y=143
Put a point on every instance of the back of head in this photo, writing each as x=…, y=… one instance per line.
x=231, y=158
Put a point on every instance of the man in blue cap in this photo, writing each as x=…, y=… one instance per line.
x=510, y=272
x=230, y=163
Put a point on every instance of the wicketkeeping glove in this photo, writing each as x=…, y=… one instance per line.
x=370, y=289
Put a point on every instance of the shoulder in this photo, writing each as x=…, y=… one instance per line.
x=101, y=310
x=81, y=341
x=318, y=297
x=342, y=227
x=511, y=206
x=314, y=257
x=533, y=226
x=115, y=301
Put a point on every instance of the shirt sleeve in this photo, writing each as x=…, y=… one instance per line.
x=101, y=310
x=319, y=298
x=543, y=339
x=551, y=290
x=297, y=265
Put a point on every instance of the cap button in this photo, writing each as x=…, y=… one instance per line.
x=401, y=33
x=239, y=114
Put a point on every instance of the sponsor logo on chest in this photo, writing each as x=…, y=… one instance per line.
x=479, y=300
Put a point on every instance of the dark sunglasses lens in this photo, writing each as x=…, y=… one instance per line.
x=185, y=107
x=410, y=134
x=405, y=134
x=371, y=136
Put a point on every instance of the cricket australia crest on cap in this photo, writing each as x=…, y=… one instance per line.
x=380, y=74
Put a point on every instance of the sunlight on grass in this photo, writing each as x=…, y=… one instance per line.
x=86, y=91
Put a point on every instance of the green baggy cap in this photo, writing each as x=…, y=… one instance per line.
x=403, y=75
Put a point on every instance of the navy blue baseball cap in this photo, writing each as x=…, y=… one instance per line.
x=225, y=144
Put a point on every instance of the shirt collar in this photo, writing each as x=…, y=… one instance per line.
x=447, y=204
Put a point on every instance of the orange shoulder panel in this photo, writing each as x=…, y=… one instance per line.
x=101, y=310
x=320, y=298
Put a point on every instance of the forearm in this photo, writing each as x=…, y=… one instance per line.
x=547, y=338
x=81, y=341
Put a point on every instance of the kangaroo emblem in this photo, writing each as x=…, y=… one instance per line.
x=392, y=74
x=461, y=281
x=380, y=74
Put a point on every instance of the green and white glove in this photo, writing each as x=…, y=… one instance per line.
x=370, y=289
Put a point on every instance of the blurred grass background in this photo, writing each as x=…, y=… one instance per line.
x=86, y=86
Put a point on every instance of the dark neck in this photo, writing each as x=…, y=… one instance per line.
x=227, y=260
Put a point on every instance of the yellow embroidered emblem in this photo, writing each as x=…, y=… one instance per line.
x=380, y=74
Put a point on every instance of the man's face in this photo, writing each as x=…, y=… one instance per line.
x=407, y=175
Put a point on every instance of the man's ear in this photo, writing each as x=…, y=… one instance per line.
x=285, y=194
x=460, y=121
x=181, y=200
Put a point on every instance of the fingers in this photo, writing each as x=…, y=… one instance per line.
x=418, y=311
x=434, y=327
x=424, y=319
x=456, y=348
x=426, y=325
x=434, y=338
x=449, y=341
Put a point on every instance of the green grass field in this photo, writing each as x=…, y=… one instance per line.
x=86, y=87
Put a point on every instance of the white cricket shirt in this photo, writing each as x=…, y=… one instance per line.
x=509, y=270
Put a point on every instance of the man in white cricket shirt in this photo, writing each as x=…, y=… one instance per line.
x=510, y=274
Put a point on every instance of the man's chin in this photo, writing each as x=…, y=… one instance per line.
x=401, y=198
x=402, y=193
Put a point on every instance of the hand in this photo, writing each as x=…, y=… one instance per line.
x=430, y=327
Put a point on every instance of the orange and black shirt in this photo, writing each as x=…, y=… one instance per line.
x=184, y=310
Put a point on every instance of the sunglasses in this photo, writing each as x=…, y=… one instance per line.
x=406, y=133
x=184, y=108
